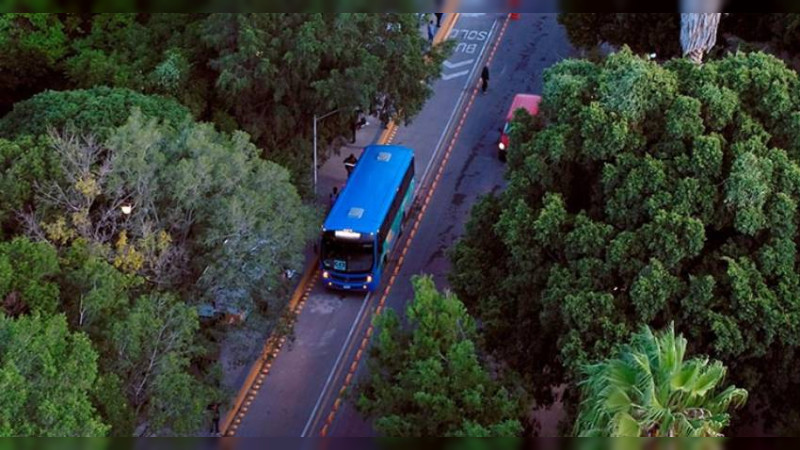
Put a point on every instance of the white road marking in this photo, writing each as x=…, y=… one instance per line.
x=455, y=110
x=335, y=366
x=454, y=75
x=450, y=65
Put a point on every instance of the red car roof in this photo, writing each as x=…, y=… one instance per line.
x=528, y=102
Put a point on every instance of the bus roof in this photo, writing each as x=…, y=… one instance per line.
x=528, y=102
x=368, y=194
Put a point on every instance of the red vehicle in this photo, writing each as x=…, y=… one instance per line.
x=528, y=102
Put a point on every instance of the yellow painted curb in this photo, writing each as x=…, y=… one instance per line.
x=269, y=348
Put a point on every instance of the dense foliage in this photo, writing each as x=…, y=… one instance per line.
x=648, y=194
x=94, y=111
x=124, y=215
x=203, y=210
x=46, y=375
x=266, y=74
x=427, y=380
x=202, y=226
x=650, y=390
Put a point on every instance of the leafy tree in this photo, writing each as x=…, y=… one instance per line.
x=153, y=347
x=648, y=194
x=91, y=111
x=649, y=390
x=33, y=46
x=27, y=277
x=274, y=71
x=428, y=380
x=23, y=163
x=266, y=74
x=203, y=210
x=46, y=376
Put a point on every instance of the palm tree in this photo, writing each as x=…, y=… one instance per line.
x=649, y=390
x=699, y=27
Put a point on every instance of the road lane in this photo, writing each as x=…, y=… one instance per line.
x=529, y=45
x=298, y=375
x=449, y=97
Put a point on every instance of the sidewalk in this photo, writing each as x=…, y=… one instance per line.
x=332, y=172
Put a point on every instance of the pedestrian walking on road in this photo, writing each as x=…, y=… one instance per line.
x=334, y=195
x=214, y=419
x=350, y=164
x=485, y=79
x=439, y=20
x=431, y=31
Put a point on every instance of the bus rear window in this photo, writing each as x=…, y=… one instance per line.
x=347, y=256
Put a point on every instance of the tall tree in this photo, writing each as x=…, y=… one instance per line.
x=428, y=380
x=650, y=390
x=94, y=111
x=33, y=48
x=46, y=376
x=153, y=347
x=647, y=194
x=202, y=209
x=27, y=277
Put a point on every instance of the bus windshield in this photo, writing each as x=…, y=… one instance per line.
x=347, y=256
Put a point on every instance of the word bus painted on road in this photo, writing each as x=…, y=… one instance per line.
x=367, y=218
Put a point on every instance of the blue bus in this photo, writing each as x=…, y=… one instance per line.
x=367, y=218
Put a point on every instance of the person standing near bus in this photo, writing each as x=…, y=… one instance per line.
x=334, y=195
x=485, y=79
x=431, y=31
x=350, y=164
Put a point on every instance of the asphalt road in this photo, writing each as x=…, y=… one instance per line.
x=298, y=395
x=529, y=46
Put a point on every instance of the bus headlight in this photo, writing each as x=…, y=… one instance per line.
x=502, y=146
x=325, y=274
x=369, y=278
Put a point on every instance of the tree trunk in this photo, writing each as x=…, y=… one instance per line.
x=699, y=27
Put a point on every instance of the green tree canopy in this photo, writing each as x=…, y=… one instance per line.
x=46, y=376
x=23, y=163
x=650, y=390
x=209, y=217
x=266, y=74
x=33, y=47
x=428, y=380
x=27, y=277
x=90, y=111
x=651, y=194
